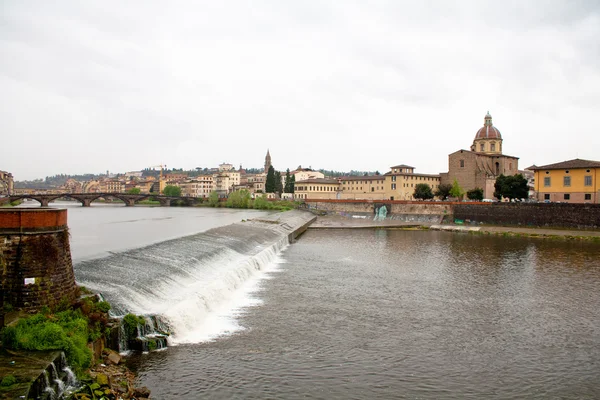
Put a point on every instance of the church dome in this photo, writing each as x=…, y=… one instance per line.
x=489, y=131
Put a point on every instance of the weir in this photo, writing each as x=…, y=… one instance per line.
x=187, y=287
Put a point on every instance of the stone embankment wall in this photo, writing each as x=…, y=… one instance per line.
x=35, y=259
x=528, y=214
x=393, y=206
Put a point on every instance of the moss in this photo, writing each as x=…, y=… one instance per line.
x=8, y=380
x=130, y=324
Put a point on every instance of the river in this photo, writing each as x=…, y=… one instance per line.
x=364, y=314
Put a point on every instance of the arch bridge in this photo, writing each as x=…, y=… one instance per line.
x=86, y=199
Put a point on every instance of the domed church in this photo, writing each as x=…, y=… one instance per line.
x=483, y=163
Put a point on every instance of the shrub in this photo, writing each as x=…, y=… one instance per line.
x=8, y=380
x=65, y=330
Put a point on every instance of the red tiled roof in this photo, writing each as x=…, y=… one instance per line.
x=570, y=164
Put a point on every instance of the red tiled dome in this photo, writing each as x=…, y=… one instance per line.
x=489, y=131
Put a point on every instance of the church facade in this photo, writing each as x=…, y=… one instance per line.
x=482, y=164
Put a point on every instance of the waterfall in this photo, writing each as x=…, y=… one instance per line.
x=56, y=381
x=187, y=289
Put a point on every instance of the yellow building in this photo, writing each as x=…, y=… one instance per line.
x=573, y=181
x=400, y=182
x=317, y=188
x=363, y=187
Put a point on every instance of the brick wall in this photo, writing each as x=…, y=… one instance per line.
x=35, y=262
x=538, y=214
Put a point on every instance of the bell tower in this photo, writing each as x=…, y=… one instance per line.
x=267, y=161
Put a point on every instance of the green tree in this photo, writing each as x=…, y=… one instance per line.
x=172, y=190
x=292, y=184
x=512, y=187
x=423, y=191
x=278, y=183
x=288, y=181
x=238, y=199
x=261, y=203
x=475, y=194
x=134, y=190
x=270, y=182
x=213, y=199
x=456, y=190
x=443, y=191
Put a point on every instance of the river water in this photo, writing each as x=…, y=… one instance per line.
x=367, y=314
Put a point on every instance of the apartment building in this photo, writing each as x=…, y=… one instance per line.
x=572, y=181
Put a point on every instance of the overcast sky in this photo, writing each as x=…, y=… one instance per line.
x=90, y=86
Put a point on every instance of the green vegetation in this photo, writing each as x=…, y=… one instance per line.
x=66, y=330
x=270, y=181
x=512, y=187
x=134, y=190
x=131, y=322
x=443, y=191
x=8, y=380
x=423, y=191
x=213, y=199
x=456, y=190
x=172, y=190
x=239, y=199
x=475, y=194
x=288, y=187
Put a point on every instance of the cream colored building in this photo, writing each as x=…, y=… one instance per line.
x=363, y=187
x=303, y=174
x=255, y=183
x=401, y=180
x=317, y=188
x=200, y=186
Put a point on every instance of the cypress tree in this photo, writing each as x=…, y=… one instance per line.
x=270, y=182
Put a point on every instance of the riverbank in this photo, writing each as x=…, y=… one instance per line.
x=344, y=222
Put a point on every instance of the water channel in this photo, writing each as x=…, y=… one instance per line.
x=361, y=314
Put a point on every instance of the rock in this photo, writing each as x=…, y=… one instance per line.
x=141, y=392
x=114, y=358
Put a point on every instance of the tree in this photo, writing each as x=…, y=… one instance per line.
x=443, y=191
x=213, y=199
x=270, y=182
x=456, y=190
x=423, y=191
x=288, y=181
x=172, y=190
x=238, y=199
x=134, y=190
x=512, y=187
x=278, y=183
x=292, y=184
x=475, y=194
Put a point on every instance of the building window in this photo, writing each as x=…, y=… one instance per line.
x=567, y=196
x=547, y=196
x=482, y=147
x=587, y=180
x=566, y=181
x=493, y=147
x=547, y=181
x=372, y=189
x=462, y=163
x=393, y=179
x=588, y=196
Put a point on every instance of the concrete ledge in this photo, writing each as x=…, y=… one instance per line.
x=454, y=228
